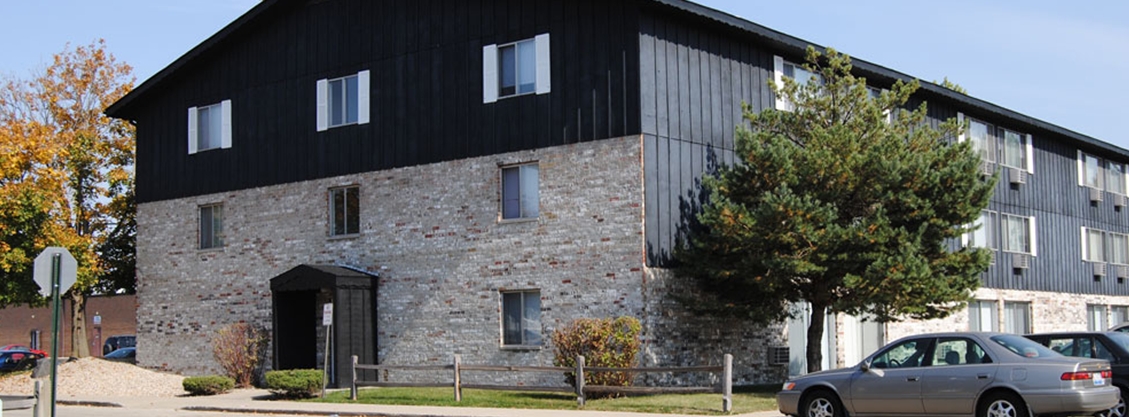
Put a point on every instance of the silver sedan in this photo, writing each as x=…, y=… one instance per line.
x=955, y=374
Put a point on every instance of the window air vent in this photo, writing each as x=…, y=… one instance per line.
x=778, y=355
x=1020, y=260
x=1122, y=271
x=986, y=169
x=1017, y=176
x=1095, y=195
x=1118, y=200
x=1100, y=269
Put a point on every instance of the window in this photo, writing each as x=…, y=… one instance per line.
x=796, y=72
x=1118, y=314
x=1096, y=318
x=1018, y=234
x=1013, y=153
x=985, y=235
x=520, y=195
x=343, y=101
x=1017, y=317
x=907, y=354
x=957, y=351
x=521, y=318
x=515, y=69
x=211, y=226
x=345, y=212
x=983, y=140
x=982, y=316
x=1093, y=245
x=1089, y=171
x=1115, y=178
x=209, y=127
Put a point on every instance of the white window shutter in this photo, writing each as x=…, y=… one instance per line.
x=193, y=134
x=962, y=136
x=225, y=132
x=489, y=73
x=1085, y=245
x=1030, y=156
x=778, y=76
x=1034, y=237
x=541, y=43
x=1081, y=170
x=323, y=105
x=362, y=97
x=964, y=238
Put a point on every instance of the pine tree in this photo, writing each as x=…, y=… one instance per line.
x=847, y=202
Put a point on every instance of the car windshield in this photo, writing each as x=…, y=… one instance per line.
x=1023, y=346
x=1121, y=339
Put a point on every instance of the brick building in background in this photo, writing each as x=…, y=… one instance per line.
x=32, y=326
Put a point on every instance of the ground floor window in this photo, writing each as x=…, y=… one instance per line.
x=521, y=318
x=1017, y=317
x=982, y=316
x=1096, y=318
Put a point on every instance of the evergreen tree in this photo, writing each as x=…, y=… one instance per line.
x=846, y=202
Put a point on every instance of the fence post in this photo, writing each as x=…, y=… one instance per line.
x=458, y=379
x=353, y=387
x=727, y=385
x=580, y=380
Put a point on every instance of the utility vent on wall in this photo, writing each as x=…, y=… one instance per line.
x=778, y=355
x=1020, y=260
x=1122, y=271
x=1017, y=176
x=986, y=169
x=1095, y=195
x=1118, y=200
x=1100, y=269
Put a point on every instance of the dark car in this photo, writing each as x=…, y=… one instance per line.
x=125, y=354
x=117, y=342
x=18, y=360
x=1112, y=346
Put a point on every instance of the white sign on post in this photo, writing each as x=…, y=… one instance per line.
x=68, y=270
x=327, y=314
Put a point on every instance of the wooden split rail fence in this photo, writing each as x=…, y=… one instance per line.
x=457, y=367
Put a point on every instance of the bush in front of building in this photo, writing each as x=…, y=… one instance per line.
x=607, y=342
x=208, y=384
x=294, y=383
x=240, y=349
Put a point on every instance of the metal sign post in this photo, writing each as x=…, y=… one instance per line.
x=327, y=321
x=55, y=270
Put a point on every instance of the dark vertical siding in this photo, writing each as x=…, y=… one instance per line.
x=425, y=59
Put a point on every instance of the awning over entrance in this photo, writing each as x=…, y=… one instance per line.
x=297, y=298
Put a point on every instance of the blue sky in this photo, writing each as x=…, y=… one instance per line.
x=1064, y=62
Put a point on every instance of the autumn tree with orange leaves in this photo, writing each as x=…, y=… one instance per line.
x=66, y=178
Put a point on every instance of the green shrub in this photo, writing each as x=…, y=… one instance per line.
x=240, y=349
x=603, y=342
x=294, y=383
x=208, y=384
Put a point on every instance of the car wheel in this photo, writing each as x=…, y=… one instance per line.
x=1002, y=404
x=1117, y=410
x=821, y=403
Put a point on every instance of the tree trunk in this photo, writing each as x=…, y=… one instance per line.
x=79, y=346
x=815, y=337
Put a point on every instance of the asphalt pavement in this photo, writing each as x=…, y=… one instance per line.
x=256, y=403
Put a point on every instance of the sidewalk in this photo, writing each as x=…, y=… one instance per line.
x=253, y=401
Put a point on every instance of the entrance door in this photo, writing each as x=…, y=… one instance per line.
x=296, y=333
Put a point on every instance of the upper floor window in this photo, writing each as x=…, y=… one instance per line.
x=797, y=72
x=985, y=234
x=1093, y=245
x=211, y=226
x=209, y=127
x=521, y=318
x=1115, y=178
x=345, y=211
x=520, y=192
x=1013, y=153
x=1017, y=233
x=516, y=68
x=1103, y=246
x=343, y=101
x=1090, y=171
x=999, y=145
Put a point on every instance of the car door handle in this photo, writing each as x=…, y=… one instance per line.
x=911, y=379
x=981, y=376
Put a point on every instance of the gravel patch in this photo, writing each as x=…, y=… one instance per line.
x=96, y=377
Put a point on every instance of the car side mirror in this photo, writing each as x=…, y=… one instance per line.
x=865, y=365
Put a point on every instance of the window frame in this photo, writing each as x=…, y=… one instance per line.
x=1119, y=176
x=1029, y=232
x=1083, y=171
x=989, y=152
x=492, y=55
x=522, y=296
x=523, y=187
x=213, y=238
x=355, y=190
x=223, y=125
x=325, y=104
x=1088, y=241
x=991, y=229
x=976, y=308
x=1100, y=313
x=780, y=70
x=1010, y=310
x=1022, y=150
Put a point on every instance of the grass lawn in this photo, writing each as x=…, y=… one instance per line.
x=745, y=400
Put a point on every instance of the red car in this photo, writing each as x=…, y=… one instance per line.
x=24, y=348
